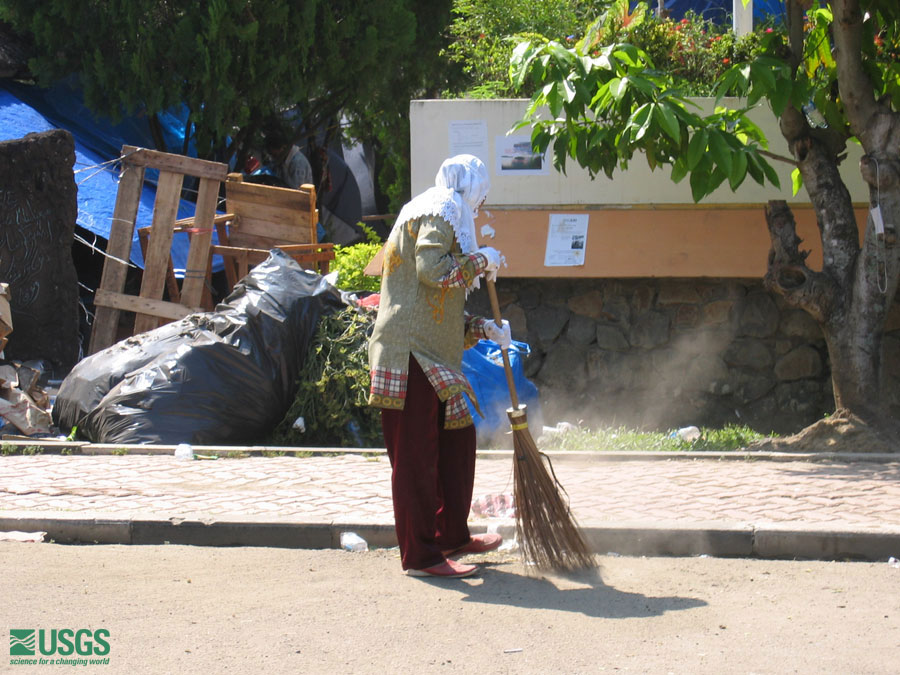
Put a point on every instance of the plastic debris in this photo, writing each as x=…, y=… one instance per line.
x=893, y=562
x=350, y=541
x=25, y=537
x=494, y=506
x=688, y=434
x=560, y=428
x=184, y=451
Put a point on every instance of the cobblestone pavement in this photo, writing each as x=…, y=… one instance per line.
x=856, y=495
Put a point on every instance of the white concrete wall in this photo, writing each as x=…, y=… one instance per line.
x=440, y=128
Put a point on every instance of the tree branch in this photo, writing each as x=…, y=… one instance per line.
x=776, y=157
x=787, y=272
x=855, y=88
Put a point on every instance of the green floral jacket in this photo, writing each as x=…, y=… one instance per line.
x=424, y=281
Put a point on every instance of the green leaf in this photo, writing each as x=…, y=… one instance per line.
x=771, y=174
x=754, y=169
x=617, y=88
x=780, y=96
x=762, y=76
x=796, y=181
x=738, y=170
x=679, y=170
x=638, y=120
x=668, y=121
x=697, y=148
x=720, y=151
x=699, y=182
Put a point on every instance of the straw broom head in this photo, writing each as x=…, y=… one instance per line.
x=546, y=531
x=545, y=528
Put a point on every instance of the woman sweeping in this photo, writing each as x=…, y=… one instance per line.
x=431, y=261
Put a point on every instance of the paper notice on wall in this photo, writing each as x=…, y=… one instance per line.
x=468, y=137
x=516, y=158
x=566, y=239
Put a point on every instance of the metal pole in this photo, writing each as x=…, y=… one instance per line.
x=742, y=17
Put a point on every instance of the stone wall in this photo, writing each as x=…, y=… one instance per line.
x=38, y=209
x=667, y=353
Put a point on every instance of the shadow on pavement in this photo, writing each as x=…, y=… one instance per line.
x=581, y=592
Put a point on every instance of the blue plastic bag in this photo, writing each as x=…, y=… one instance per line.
x=483, y=367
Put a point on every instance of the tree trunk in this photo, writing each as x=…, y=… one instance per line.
x=851, y=308
x=852, y=294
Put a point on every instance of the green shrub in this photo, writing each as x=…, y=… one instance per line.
x=693, y=50
x=350, y=264
x=481, y=29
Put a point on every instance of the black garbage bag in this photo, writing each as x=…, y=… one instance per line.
x=214, y=378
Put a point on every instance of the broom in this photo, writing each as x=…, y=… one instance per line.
x=545, y=528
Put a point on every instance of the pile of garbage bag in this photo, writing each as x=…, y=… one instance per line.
x=224, y=377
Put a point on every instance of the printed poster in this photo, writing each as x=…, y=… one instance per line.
x=516, y=158
x=468, y=137
x=566, y=239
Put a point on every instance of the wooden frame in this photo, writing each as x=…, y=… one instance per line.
x=110, y=299
x=259, y=218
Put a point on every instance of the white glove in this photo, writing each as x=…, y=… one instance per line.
x=499, y=335
x=494, y=261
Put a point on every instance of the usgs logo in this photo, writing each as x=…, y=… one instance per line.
x=58, y=642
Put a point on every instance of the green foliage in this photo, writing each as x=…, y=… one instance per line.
x=234, y=63
x=333, y=388
x=729, y=438
x=622, y=90
x=350, y=264
x=694, y=51
x=384, y=119
x=481, y=32
x=608, y=100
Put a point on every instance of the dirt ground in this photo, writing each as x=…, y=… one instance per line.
x=841, y=432
x=172, y=609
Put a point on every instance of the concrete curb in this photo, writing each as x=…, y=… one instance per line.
x=715, y=539
x=85, y=448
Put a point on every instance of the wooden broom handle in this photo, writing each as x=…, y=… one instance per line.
x=495, y=307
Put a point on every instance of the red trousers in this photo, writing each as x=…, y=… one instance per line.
x=433, y=471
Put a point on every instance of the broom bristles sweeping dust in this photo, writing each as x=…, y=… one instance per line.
x=547, y=532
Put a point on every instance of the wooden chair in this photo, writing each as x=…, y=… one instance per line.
x=263, y=217
x=258, y=219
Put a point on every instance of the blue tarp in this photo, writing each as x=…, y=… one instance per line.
x=483, y=367
x=96, y=142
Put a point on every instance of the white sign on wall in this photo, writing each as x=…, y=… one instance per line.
x=516, y=158
x=468, y=137
x=566, y=239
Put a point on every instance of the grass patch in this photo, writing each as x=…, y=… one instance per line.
x=12, y=449
x=731, y=437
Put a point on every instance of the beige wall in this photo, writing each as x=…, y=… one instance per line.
x=433, y=121
x=640, y=223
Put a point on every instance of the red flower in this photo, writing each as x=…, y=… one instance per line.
x=726, y=61
x=768, y=30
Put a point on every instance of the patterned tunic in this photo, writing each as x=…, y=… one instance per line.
x=423, y=293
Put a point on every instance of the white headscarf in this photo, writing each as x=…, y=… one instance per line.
x=460, y=186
